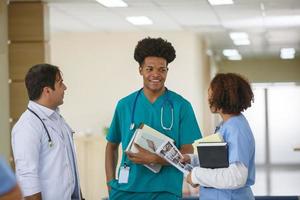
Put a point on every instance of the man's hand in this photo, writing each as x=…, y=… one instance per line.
x=143, y=156
x=189, y=180
x=111, y=158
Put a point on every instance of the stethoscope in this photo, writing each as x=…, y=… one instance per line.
x=132, y=125
x=49, y=138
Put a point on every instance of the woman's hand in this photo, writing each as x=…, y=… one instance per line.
x=189, y=180
x=185, y=159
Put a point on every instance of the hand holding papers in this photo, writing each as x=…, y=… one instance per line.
x=148, y=139
x=158, y=143
x=170, y=153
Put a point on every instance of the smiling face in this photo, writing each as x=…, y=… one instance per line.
x=154, y=71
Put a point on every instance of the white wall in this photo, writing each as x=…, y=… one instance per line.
x=4, y=97
x=99, y=69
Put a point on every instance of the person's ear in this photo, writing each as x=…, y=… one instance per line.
x=140, y=70
x=47, y=90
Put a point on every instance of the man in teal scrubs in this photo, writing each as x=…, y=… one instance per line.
x=163, y=110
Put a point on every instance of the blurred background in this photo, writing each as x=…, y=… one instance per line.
x=93, y=43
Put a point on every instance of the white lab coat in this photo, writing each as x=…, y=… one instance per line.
x=40, y=168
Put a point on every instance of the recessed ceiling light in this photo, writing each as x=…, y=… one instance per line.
x=238, y=35
x=112, y=3
x=287, y=53
x=220, y=2
x=139, y=20
x=241, y=42
x=237, y=57
x=230, y=52
x=240, y=38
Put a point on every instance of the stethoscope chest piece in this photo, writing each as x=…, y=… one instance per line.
x=131, y=126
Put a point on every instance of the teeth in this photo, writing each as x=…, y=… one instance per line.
x=155, y=81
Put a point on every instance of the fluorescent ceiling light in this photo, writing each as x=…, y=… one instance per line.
x=237, y=57
x=240, y=38
x=287, y=53
x=238, y=35
x=241, y=42
x=282, y=56
x=220, y=2
x=139, y=20
x=112, y=3
x=230, y=52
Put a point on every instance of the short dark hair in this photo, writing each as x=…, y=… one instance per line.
x=157, y=47
x=230, y=92
x=38, y=77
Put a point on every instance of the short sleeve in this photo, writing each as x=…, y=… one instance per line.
x=7, y=177
x=189, y=129
x=239, y=150
x=114, y=132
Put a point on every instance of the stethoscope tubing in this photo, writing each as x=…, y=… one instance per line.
x=161, y=111
x=48, y=135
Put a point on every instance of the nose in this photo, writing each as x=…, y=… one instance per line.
x=156, y=72
x=65, y=87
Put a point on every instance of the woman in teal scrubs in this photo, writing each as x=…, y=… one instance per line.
x=229, y=95
x=163, y=110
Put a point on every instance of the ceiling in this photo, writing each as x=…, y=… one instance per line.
x=270, y=24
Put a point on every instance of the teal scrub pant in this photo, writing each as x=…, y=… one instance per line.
x=124, y=195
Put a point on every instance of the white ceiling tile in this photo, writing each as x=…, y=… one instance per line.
x=267, y=34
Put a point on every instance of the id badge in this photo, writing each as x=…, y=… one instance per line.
x=124, y=174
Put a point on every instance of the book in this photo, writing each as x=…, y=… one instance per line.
x=213, y=154
x=149, y=139
x=216, y=137
x=170, y=153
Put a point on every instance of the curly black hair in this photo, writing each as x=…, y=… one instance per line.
x=231, y=93
x=157, y=47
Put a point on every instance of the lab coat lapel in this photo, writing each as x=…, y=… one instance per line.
x=53, y=128
x=70, y=137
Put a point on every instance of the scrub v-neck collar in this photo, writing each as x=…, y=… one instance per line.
x=158, y=101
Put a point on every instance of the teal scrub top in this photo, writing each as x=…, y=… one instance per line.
x=241, y=148
x=184, y=131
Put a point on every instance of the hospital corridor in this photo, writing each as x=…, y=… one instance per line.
x=106, y=58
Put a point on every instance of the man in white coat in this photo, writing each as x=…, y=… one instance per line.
x=42, y=141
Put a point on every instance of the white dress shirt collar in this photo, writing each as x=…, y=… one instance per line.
x=43, y=109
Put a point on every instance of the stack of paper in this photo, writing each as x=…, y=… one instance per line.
x=210, y=138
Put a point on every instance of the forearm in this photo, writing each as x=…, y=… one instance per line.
x=111, y=159
x=37, y=196
x=235, y=176
x=14, y=194
x=159, y=160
